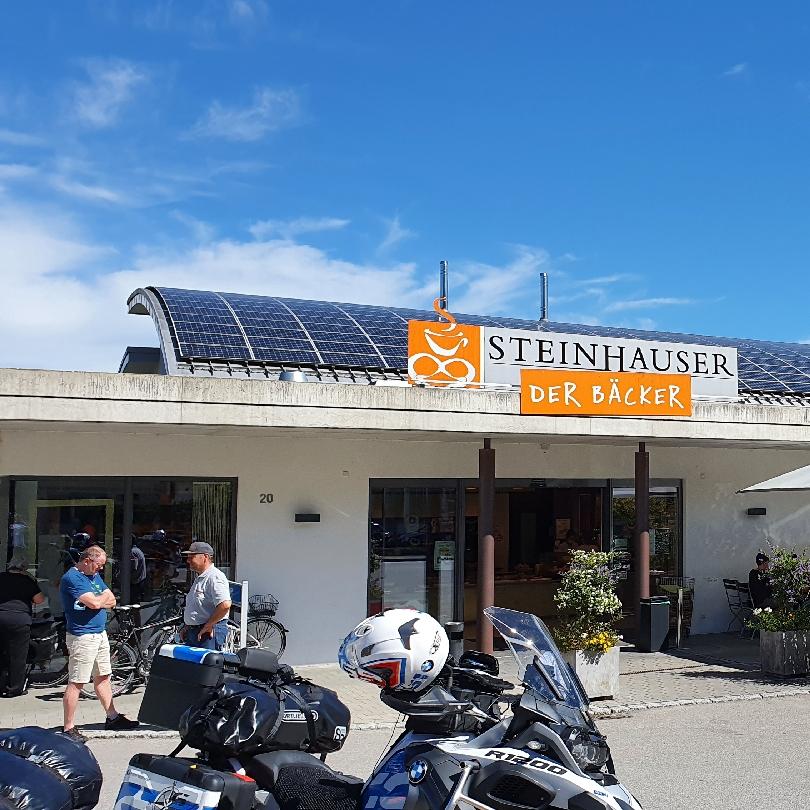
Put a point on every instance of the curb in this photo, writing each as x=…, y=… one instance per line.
x=135, y=734
x=612, y=711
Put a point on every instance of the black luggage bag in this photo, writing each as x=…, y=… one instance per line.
x=55, y=764
x=247, y=717
x=43, y=641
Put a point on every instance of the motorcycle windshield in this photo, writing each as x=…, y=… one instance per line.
x=539, y=661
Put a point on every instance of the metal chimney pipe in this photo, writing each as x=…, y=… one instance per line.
x=443, y=284
x=543, y=296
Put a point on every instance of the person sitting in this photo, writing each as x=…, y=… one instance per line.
x=759, y=584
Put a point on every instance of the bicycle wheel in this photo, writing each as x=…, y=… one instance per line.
x=124, y=662
x=232, y=644
x=159, y=638
x=270, y=634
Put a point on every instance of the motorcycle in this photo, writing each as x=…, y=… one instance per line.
x=460, y=749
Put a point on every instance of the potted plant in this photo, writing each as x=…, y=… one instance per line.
x=589, y=609
x=784, y=624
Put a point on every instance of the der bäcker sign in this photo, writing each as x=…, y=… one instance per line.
x=453, y=354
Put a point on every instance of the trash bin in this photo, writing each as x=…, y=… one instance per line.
x=653, y=624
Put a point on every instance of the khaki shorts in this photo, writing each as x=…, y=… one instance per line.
x=88, y=656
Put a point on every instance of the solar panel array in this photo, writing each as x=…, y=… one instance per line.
x=230, y=327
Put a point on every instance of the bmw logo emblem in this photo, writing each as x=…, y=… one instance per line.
x=427, y=666
x=417, y=771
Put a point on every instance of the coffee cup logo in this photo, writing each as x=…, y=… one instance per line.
x=444, y=354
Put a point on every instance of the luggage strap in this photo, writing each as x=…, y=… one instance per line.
x=304, y=706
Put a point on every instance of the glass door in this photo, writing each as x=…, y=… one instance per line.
x=413, y=548
x=665, y=534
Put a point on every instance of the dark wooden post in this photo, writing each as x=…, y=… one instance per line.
x=642, y=538
x=486, y=543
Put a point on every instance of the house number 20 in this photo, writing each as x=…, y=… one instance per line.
x=265, y=497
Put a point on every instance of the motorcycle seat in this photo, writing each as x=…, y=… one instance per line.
x=299, y=770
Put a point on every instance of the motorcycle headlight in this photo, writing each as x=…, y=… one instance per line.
x=589, y=750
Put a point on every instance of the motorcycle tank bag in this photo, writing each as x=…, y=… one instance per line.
x=43, y=641
x=246, y=718
x=179, y=677
x=298, y=781
x=26, y=786
x=181, y=784
x=67, y=761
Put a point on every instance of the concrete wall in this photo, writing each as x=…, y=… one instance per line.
x=318, y=571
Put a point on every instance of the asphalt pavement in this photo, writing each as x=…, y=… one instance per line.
x=724, y=756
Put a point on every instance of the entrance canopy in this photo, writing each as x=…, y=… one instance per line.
x=787, y=482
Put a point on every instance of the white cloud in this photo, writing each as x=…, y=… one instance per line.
x=498, y=289
x=395, y=233
x=98, y=102
x=14, y=138
x=737, y=70
x=290, y=228
x=200, y=231
x=65, y=295
x=87, y=191
x=648, y=303
x=271, y=110
x=16, y=171
x=247, y=12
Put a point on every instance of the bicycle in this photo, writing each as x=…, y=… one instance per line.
x=130, y=659
x=270, y=634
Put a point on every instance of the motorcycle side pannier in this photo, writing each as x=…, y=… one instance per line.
x=181, y=784
x=179, y=677
x=245, y=718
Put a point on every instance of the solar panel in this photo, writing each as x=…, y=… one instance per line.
x=231, y=326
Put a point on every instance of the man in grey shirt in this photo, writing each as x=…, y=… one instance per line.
x=208, y=601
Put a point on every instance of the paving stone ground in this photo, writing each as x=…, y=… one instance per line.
x=708, y=669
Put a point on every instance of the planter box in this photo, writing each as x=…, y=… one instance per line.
x=599, y=676
x=785, y=653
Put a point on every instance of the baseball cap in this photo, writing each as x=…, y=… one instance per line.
x=761, y=558
x=198, y=547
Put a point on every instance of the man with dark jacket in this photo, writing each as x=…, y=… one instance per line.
x=759, y=583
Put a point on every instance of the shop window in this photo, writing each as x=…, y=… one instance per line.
x=536, y=527
x=167, y=514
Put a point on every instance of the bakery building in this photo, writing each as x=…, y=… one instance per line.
x=344, y=457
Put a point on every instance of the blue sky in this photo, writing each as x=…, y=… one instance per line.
x=651, y=157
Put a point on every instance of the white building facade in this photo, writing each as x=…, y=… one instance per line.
x=279, y=449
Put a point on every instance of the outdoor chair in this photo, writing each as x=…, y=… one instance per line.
x=735, y=604
x=746, y=609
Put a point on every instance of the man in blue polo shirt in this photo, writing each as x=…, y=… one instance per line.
x=85, y=599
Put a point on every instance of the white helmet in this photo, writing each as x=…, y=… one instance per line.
x=397, y=649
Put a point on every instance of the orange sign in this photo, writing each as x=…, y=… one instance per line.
x=604, y=393
x=444, y=354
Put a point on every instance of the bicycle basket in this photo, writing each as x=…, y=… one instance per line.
x=263, y=603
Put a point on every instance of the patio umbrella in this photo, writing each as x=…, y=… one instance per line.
x=787, y=482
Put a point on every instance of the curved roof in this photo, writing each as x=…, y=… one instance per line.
x=223, y=334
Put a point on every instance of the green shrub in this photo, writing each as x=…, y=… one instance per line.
x=588, y=604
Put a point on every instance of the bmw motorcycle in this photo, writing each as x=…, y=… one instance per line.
x=460, y=751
